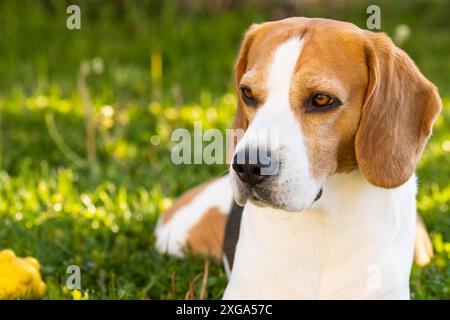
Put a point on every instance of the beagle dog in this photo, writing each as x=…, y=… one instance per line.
x=337, y=218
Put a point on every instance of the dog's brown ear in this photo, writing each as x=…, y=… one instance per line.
x=400, y=108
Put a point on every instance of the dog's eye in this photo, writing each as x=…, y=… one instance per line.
x=321, y=102
x=247, y=95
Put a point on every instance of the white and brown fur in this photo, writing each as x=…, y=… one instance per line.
x=362, y=155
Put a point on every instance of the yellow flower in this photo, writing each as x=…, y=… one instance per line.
x=78, y=295
x=20, y=278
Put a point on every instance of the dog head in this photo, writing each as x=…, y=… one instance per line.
x=319, y=97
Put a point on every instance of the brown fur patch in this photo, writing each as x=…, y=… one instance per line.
x=206, y=236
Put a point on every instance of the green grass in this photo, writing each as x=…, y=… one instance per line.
x=63, y=210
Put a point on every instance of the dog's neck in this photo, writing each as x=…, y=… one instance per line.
x=354, y=232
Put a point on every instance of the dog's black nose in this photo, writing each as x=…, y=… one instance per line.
x=251, y=166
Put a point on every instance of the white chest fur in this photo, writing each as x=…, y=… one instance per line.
x=356, y=242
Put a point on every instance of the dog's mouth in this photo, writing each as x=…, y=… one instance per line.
x=261, y=200
x=264, y=198
x=319, y=195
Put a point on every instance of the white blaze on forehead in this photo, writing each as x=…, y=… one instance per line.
x=283, y=65
x=275, y=112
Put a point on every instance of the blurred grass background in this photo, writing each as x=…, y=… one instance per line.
x=149, y=67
